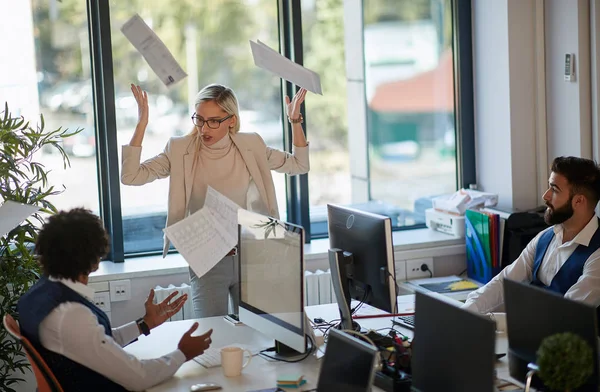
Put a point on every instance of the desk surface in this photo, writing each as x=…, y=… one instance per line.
x=260, y=373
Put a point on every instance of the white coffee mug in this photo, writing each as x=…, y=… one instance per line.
x=232, y=360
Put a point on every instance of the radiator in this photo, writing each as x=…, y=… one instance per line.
x=187, y=312
x=318, y=288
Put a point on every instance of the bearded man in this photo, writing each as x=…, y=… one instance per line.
x=563, y=258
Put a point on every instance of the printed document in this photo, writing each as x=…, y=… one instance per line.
x=271, y=60
x=12, y=214
x=154, y=50
x=206, y=236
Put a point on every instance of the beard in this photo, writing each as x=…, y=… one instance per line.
x=555, y=216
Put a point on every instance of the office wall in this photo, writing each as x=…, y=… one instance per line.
x=567, y=30
x=522, y=98
x=504, y=84
x=126, y=311
x=525, y=113
x=595, y=74
x=492, y=107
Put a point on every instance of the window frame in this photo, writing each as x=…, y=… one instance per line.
x=107, y=158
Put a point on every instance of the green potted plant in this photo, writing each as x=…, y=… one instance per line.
x=23, y=179
x=564, y=361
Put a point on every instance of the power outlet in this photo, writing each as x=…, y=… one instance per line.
x=102, y=300
x=414, y=268
x=120, y=290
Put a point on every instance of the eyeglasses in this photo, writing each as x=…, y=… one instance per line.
x=212, y=124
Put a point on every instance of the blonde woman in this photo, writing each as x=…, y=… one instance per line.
x=215, y=154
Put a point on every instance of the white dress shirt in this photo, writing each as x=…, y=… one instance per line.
x=73, y=330
x=490, y=298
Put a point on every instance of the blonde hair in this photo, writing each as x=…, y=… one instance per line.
x=222, y=96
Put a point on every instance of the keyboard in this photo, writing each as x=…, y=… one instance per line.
x=212, y=356
x=405, y=321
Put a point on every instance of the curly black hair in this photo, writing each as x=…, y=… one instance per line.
x=582, y=174
x=71, y=243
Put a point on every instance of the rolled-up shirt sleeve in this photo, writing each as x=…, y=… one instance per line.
x=587, y=287
x=126, y=334
x=490, y=298
x=298, y=162
x=135, y=173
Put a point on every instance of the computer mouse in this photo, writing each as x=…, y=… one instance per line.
x=205, y=386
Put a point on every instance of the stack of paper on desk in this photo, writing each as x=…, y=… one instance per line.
x=271, y=60
x=290, y=380
x=206, y=236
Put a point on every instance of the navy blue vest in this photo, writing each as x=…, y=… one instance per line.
x=33, y=307
x=571, y=270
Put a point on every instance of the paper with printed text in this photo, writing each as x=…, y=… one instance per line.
x=206, y=236
x=155, y=52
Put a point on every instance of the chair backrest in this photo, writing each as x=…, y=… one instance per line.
x=46, y=381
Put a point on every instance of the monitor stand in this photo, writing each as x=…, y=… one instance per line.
x=355, y=327
x=340, y=263
x=286, y=353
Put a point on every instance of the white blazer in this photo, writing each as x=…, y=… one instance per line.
x=177, y=163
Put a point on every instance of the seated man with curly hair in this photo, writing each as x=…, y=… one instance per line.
x=74, y=336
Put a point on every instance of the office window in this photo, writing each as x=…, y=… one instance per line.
x=210, y=42
x=327, y=115
x=45, y=69
x=383, y=133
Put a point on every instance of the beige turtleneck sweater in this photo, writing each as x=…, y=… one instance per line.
x=222, y=167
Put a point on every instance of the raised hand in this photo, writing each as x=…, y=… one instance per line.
x=141, y=97
x=156, y=314
x=293, y=106
x=192, y=346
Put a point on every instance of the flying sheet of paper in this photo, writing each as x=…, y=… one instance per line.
x=154, y=50
x=271, y=60
x=12, y=214
x=224, y=210
x=206, y=236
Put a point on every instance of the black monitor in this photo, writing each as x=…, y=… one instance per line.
x=361, y=243
x=271, y=254
x=452, y=349
x=534, y=313
x=348, y=365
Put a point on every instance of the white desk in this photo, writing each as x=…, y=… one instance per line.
x=261, y=373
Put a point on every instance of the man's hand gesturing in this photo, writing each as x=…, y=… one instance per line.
x=192, y=346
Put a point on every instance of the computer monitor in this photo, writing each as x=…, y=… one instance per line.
x=349, y=364
x=271, y=256
x=534, y=313
x=452, y=349
x=367, y=255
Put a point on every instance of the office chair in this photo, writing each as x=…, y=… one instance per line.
x=44, y=377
